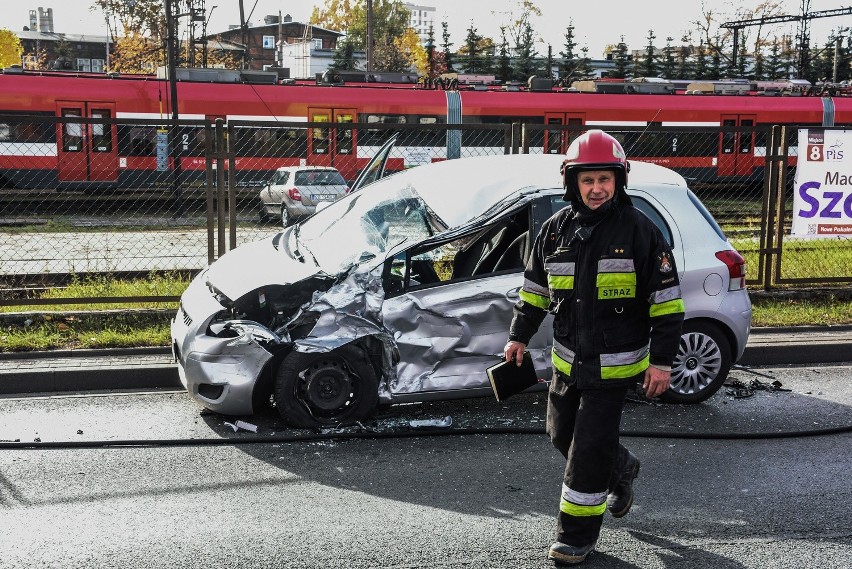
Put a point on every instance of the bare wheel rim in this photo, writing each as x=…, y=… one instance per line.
x=697, y=364
x=327, y=387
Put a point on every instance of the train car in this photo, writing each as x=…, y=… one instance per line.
x=42, y=145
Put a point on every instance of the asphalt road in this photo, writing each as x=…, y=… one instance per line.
x=485, y=500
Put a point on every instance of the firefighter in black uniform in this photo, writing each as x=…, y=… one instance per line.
x=606, y=273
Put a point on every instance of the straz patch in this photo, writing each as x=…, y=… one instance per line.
x=610, y=293
x=665, y=263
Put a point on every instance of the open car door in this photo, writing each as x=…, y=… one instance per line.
x=375, y=169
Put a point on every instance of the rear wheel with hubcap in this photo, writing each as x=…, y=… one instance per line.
x=701, y=364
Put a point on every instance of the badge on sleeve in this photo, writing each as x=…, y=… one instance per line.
x=665, y=263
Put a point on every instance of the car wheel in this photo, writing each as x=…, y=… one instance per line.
x=262, y=216
x=286, y=218
x=701, y=364
x=329, y=388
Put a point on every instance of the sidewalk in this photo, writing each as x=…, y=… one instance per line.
x=153, y=368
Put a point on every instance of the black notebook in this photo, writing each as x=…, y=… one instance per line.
x=508, y=379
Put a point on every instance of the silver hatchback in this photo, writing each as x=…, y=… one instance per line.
x=295, y=192
x=403, y=291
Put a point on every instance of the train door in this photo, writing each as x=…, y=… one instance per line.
x=332, y=146
x=87, y=152
x=557, y=141
x=736, y=147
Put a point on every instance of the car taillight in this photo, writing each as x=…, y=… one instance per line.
x=295, y=194
x=736, y=268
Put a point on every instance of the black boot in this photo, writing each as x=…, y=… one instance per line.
x=565, y=554
x=621, y=498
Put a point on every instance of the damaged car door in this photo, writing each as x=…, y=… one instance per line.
x=449, y=305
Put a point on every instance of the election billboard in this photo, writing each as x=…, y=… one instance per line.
x=822, y=199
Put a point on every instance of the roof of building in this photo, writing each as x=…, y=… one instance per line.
x=274, y=27
x=53, y=36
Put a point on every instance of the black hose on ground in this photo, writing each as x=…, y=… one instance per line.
x=438, y=432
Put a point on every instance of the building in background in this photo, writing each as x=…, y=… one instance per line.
x=43, y=47
x=422, y=18
x=302, y=48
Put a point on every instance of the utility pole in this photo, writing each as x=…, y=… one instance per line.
x=244, y=34
x=174, y=141
x=369, y=35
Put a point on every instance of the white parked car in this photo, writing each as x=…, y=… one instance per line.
x=295, y=192
x=403, y=291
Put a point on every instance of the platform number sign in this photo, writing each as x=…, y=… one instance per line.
x=822, y=202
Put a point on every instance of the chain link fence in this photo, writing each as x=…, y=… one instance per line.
x=126, y=198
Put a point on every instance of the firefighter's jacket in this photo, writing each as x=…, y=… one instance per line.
x=615, y=296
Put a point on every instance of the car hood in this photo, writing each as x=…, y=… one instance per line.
x=257, y=264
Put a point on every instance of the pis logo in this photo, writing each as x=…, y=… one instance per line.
x=834, y=152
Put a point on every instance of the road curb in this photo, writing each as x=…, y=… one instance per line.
x=155, y=376
x=153, y=368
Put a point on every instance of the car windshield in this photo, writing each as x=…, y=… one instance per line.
x=319, y=178
x=367, y=225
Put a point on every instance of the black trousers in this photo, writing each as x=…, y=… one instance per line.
x=584, y=425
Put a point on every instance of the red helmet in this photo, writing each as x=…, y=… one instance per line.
x=595, y=150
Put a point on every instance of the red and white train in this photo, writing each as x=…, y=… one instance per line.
x=38, y=151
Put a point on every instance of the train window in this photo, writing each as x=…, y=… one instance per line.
x=27, y=130
x=746, y=136
x=136, y=140
x=101, y=132
x=72, y=132
x=344, y=135
x=728, y=137
x=377, y=137
x=414, y=136
x=272, y=142
x=667, y=144
x=320, y=136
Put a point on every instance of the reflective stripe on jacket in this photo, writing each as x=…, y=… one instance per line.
x=615, y=297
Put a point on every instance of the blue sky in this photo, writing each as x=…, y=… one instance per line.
x=630, y=18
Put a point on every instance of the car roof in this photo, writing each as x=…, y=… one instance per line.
x=459, y=190
x=306, y=168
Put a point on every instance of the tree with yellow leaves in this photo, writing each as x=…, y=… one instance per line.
x=10, y=48
x=135, y=53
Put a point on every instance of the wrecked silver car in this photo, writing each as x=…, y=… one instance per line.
x=403, y=291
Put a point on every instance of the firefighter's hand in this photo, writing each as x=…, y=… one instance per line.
x=657, y=381
x=514, y=351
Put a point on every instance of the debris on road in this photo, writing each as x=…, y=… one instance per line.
x=242, y=425
x=739, y=390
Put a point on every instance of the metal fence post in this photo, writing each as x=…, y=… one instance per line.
x=779, y=203
x=773, y=207
x=220, y=185
x=765, y=244
x=525, y=139
x=209, y=158
x=232, y=186
x=516, y=137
